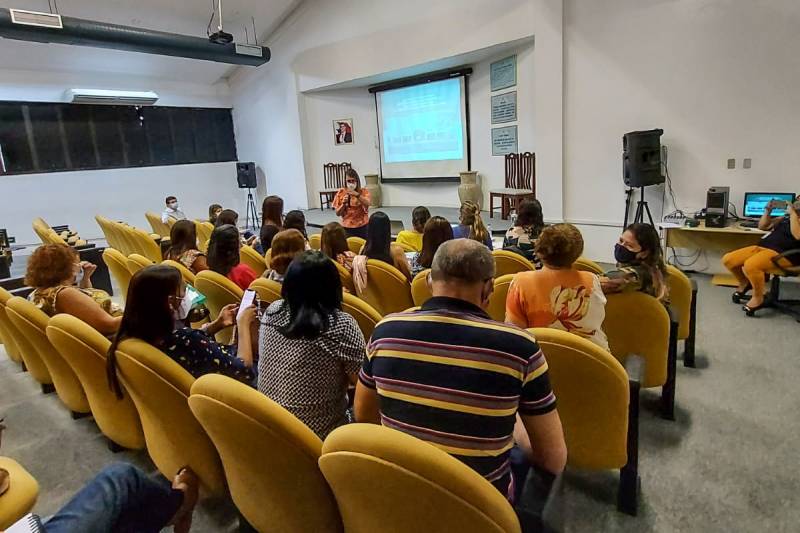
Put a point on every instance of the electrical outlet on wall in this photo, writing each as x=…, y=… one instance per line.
x=731, y=164
x=747, y=163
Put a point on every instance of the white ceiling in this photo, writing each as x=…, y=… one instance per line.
x=188, y=17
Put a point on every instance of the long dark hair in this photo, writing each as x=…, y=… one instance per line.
x=272, y=211
x=182, y=237
x=223, y=249
x=647, y=237
x=333, y=240
x=379, y=237
x=148, y=315
x=313, y=291
x=437, y=230
x=530, y=217
x=295, y=219
x=227, y=216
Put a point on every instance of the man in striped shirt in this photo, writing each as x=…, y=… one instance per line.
x=450, y=375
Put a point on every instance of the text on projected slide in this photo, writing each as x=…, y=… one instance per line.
x=423, y=122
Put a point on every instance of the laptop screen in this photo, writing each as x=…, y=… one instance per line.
x=755, y=202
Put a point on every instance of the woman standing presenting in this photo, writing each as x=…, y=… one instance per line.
x=352, y=204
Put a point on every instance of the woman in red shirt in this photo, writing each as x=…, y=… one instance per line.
x=223, y=256
x=352, y=204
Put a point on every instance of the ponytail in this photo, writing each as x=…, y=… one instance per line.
x=471, y=216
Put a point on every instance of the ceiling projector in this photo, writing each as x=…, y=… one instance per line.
x=221, y=37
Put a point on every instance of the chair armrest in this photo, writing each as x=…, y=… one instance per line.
x=787, y=271
x=541, y=506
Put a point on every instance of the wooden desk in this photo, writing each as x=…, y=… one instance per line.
x=721, y=240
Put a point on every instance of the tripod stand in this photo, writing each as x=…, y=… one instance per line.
x=641, y=207
x=251, y=211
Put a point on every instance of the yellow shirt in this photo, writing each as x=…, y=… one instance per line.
x=410, y=238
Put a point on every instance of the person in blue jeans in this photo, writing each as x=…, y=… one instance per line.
x=123, y=499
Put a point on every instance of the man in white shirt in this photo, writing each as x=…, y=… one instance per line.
x=172, y=210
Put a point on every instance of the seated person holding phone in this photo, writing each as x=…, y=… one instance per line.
x=750, y=264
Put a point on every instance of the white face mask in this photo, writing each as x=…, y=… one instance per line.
x=173, y=205
x=79, y=276
x=186, y=306
x=351, y=185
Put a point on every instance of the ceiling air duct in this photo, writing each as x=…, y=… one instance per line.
x=46, y=28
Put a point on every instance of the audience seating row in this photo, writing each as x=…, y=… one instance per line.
x=130, y=240
x=48, y=235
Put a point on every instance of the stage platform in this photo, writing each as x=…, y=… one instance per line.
x=316, y=218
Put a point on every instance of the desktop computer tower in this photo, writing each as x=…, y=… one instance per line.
x=717, y=200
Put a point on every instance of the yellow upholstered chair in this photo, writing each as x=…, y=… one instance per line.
x=160, y=389
x=32, y=323
x=30, y=357
x=420, y=291
x=204, y=230
x=683, y=300
x=108, y=232
x=21, y=496
x=85, y=349
x=388, y=290
x=406, y=247
x=345, y=277
x=253, y=259
x=6, y=336
x=432, y=491
x=315, y=241
x=145, y=245
x=269, y=456
x=587, y=265
x=137, y=262
x=268, y=290
x=126, y=237
x=219, y=292
x=118, y=266
x=506, y=262
x=268, y=257
x=366, y=316
x=356, y=244
x=187, y=275
x=637, y=323
x=497, y=301
x=598, y=402
x=155, y=222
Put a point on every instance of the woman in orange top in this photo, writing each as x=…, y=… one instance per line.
x=352, y=204
x=558, y=296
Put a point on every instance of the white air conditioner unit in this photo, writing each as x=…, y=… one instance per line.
x=110, y=97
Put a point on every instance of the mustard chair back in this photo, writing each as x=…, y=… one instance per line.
x=680, y=299
x=6, y=336
x=155, y=222
x=356, y=244
x=126, y=237
x=406, y=247
x=587, y=265
x=146, y=245
x=269, y=456
x=137, y=262
x=30, y=357
x=388, y=290
x=366, y=316
x=219, y=292
x=637, y=323
x=268, y=290
x=253, y=259
x=187, y=275
x=21, y=496
x=118, y=266
x=160, y=389
x=506, y=262
x=497, y=301
x=32, y=323
x=105, y=227
x=420, y=292
x=345, y=277
x=268, y=257
x=431, y=491
x=204, y=230
x=85, y=349
x=315, y=241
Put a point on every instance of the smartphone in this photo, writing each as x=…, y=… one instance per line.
x=247, y=300
x=197, y=298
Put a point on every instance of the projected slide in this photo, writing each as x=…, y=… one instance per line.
x=422, y=123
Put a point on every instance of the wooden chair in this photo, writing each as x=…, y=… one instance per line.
x=520, y=184
x=334, y=180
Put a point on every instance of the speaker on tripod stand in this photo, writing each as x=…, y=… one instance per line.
x=641, y=167
x=246, y=179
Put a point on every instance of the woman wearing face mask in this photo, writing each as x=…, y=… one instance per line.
x=352, y=205
x=62, y=284
x=156, y=311
x=640, y=264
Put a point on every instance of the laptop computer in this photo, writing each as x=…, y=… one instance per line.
x=756, y=202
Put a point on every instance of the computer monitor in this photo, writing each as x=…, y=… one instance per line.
x=755, y=202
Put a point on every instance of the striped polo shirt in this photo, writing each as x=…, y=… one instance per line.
x=450, y=375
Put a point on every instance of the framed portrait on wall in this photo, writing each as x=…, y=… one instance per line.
x=343, y=131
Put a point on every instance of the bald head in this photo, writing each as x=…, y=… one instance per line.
x=463, y=261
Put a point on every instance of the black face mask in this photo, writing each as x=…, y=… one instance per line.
x=623, y=255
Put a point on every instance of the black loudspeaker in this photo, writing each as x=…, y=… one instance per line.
x=641, y=158
x=246, y=175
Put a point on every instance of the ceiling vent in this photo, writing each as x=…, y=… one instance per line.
x=110, y=97
x=34, y=18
